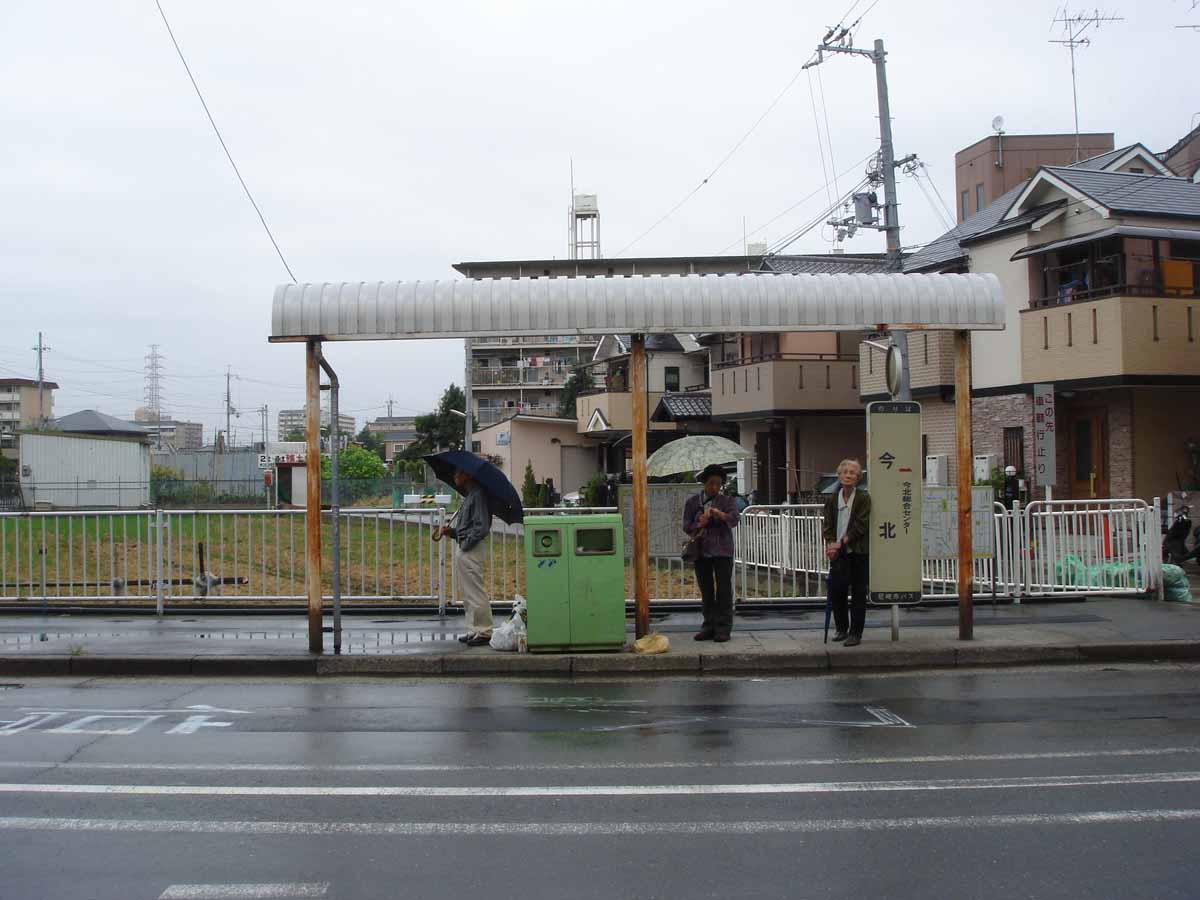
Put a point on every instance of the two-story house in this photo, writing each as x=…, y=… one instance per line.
x=1100, y=266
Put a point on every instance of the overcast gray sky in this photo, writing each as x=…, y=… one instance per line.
x=389, y=140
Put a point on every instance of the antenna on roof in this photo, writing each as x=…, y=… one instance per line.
x=998, y=127
x=1074, y=26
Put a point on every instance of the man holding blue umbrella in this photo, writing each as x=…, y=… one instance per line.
x=486, y=492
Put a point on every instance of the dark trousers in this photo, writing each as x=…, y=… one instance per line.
x=715, y=577
x=848, y=581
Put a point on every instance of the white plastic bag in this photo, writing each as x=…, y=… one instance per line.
x=508, y=636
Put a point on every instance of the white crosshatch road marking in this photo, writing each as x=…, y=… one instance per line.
x=244, y=891
x=99, y=725
x=83, y=720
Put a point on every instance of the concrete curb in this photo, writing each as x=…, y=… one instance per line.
x=882, y=657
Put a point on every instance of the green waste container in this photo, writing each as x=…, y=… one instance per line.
x=575, y=582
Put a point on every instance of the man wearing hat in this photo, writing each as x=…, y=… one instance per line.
x=709, y=518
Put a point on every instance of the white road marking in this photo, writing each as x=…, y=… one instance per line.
x=133, y=725
x=590, y=829
x=201, y=707
x=245, y=891
x=887, y=717
x=599, y=765
x=192, y=724
x=608, y=790
x=25, y=723
x=880, y=718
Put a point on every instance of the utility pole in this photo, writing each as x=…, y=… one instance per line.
x=839, y=40
x=262, y=410
x=1074, y=27
x=468, y=436
x=229, y=410
x=389, y=405
x=41, y=348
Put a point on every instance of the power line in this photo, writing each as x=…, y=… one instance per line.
x=217, y=131
x=800, y=202
x=828, y=133
x=791, y=238
x=732, y=150
x=820, y=144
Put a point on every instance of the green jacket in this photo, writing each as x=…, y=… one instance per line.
x=858, y=533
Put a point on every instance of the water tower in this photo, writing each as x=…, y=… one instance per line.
x=584, y=227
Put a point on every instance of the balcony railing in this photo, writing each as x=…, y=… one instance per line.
x=1077, y=295
x=490, y=415
x=1164, y=277
x=517, y=376
x=780, y=357
x=537, y=340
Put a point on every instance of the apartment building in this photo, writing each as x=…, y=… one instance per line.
x=169, y=432
x=525, y=375
x=291, y=421
x=1100, y=267
x=793, y=399
x=23, y=405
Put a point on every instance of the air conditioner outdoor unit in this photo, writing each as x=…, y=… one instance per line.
x=937, y=469
x=982, y=465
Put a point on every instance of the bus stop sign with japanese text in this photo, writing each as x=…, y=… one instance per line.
x=894, y=464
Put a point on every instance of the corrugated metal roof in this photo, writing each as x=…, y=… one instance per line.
x=1141, y=195
x=674, y=407
x=651, y=304
x=826, y=264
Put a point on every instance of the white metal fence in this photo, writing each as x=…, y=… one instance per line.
x=230, y=555
x=1045, y=549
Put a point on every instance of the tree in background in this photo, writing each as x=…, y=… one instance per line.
x=580, y=380
x=295, y=436
x=355, y=464
x=360, y=473
x=371, y=442
x=440, y=429
x=530, y=491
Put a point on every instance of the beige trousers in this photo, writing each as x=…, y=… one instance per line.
x=468, y=568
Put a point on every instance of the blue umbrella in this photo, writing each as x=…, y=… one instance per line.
x=503, y=499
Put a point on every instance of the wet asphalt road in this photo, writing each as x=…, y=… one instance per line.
x=1047, y=783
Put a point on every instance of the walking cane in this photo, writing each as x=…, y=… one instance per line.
x=828, y=607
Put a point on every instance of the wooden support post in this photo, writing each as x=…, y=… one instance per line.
x=641, y=529
x=966, y=552
x=312, y=499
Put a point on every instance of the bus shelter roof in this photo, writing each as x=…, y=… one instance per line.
x=648, y=304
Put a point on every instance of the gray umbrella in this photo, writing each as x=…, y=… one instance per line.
x=692, y=454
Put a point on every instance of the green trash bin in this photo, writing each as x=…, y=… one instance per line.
x=575, y=582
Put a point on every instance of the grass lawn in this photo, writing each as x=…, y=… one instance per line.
x=103, y=556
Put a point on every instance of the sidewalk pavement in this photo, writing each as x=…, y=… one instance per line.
x=1097, y=631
